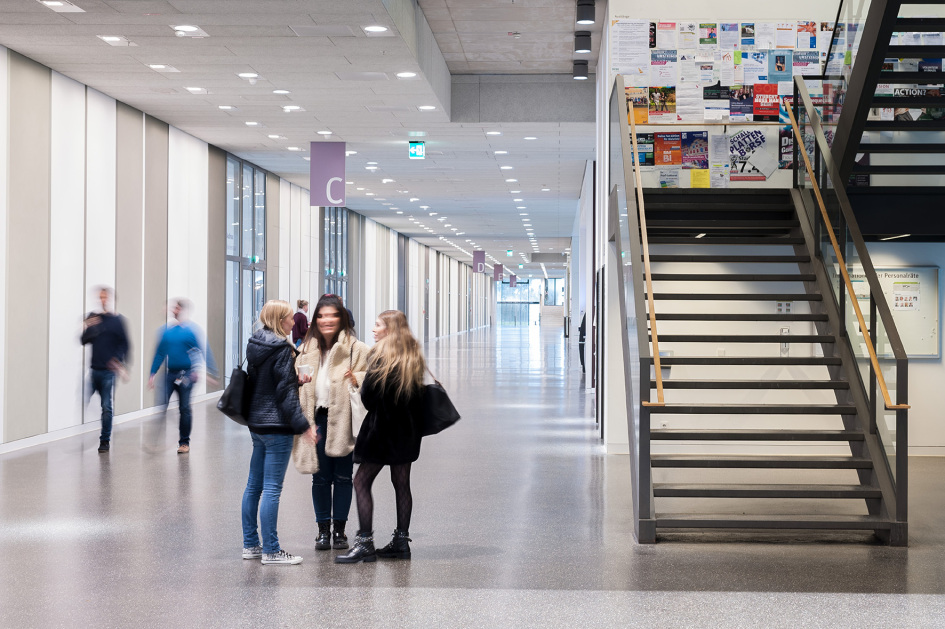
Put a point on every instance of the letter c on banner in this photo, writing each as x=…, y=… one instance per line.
x=328, y=190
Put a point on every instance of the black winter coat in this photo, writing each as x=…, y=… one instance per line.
x=274, y=396
x=392, y=429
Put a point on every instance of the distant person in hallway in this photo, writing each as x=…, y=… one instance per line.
x=274, y=417
x=300, y=327
x=181, y=343
x=105, y=331
x=390, y=435
x=338, y=359
x=582, y=332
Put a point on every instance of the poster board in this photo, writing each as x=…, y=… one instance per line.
x=912, y=295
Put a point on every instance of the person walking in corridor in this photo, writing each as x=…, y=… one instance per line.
x=182, y=345
x=300, y=328
x=274, y=417
x=105, y=331
x=338, y=360
x=392, y=392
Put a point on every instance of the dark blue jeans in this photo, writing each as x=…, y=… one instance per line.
x=102, y=381
x=183, y=383
x=335, y=471
x=264, y=488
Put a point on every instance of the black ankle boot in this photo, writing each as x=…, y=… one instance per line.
x=323, y=541
x=339, y=541
x=363, y=549
x=398, y=547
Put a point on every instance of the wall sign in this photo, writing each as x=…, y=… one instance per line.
x=327, y=178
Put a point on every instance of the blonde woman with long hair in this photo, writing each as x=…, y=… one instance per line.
x=274, y=417
x=392, y=392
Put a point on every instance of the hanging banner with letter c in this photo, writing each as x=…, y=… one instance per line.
x=327, y=180
x=479, y=261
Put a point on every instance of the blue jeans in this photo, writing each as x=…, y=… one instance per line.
x=183, y=383
x=335, y=471
x=102, y=381
x=266, y=472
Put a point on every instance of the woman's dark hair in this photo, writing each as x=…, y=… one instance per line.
x=328, y=301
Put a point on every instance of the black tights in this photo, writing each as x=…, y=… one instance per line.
x=399, y=478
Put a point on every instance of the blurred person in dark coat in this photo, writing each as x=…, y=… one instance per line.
x=105, y=332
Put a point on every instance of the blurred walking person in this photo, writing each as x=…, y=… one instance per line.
x=106, y=332
x=392, y=392
x=301, y=323
x=274, y=417
x=182, y=345
x=338, y=360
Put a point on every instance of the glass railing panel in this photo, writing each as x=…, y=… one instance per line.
x=886, y=419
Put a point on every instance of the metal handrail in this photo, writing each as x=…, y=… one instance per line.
x=635, y=162
x=802, y=149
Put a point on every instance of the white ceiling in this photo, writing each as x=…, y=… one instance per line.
x=461, y=177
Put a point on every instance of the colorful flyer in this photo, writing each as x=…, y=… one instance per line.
x=645, y=154
x=695, y=150
x=748, y=36
x=708, y=35
x=662, y=104
x=767, y=103
x=780, y=66
x=667, y=148
x=663, y=67
x=729, y=35
x=699, y=178
x=741, y=103
x=807, y=35
x=640, y=99
x=666, y=35
x=742, y=148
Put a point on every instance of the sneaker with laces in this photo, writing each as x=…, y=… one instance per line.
x=184, y=449
x=103, y=446
x=281, y=558
x=254, y=552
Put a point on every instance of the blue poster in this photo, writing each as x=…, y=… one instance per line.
x=780, y=66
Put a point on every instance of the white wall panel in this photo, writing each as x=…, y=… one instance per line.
x=305, y=248
x=4, y=188
x=370, y=263
x=188, y=225
x=66, y=278
x=295, y=245
x=99, y=194
x=285, y=191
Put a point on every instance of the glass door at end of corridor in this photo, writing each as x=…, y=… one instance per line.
x=519, y=305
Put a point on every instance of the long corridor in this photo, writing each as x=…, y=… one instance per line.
x=520, y=520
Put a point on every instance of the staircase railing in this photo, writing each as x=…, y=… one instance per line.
x=843, y=249
x=626, y=212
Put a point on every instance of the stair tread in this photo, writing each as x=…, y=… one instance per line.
x=747, y=338
x=737, y=296
x=671, y=408
x=682, y=434
x=905, y=125
x=749, y=360
x=726, y=240
x=727, y=258
x=905, y=148
x=915, y=52
x=770, y=521
x=900, y=78
x=734, y=277
x=893, y=169
x=721, y=223
x=715, y=206
x=752, y=384
x=759, y=462
x=700, y=316
x=772, y=490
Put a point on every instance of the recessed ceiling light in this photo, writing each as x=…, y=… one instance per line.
x=511, y=181
x=248, y=75
x=293, y=148
x=493, y=133
x=505, y=168
x=531, y=137
x=521, y=207
x=272, y=137
x=252, y=124
x=156, y=66
x=307, y=159
x=514, y=191
x=546, y=189
x=288, y=108
x=326, y=132
x=186, y=28
x=281, y=92
x=369, y=194
x=426, y=107
x=52, y=3
x=424, y=207
x=360, y=188
x=370, y=168
x=116, y=40
x=375, y=29
x=406, y=75
x=197, y=90
x=501, y=153
x=231, y=108
x=412, y=199
x=372, y=163
x=400, y=212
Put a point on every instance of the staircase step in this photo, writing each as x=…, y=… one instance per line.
x=881, y=100
x=903, y=149
x=920, y=24
x=754, y=409
x=734, y=277
x=753, y=384
x=915, y=52
x=914, y=169
x=727, y=240
x=735, y=297
x=901, y=78
x=678, y=490
x=906, y=125
x=668, y=434
x=727, y=258
x=747, y=338
x=777, y=205
x=704, y=316
x=807, y=522
x=669, y=361
x=721, y=224
x=760, y=462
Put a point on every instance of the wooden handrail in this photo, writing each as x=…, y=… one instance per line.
x=635, y=162
x=802, y=149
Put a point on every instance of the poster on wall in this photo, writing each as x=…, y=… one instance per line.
x=742, y=148
x=645, y=151
x=741, y=103
x=780, y=66
x=807, y=35
x=662, y=104
x=639, y=98
x=669, y=178
x=630, y=50
x=767, y=104
x=729, y=35
x=652, y=35
x=754, y=67
x=666, y=35
x=825, y=35
x=663, y=67
x=667, y=148
x=689, y=104
x=708, y=35
x=785, y=35
x=806, y=63
x=716, y=102
x=688, y=35
x=765, y=35
x=748, y=36
x=695, y=150
x=719, y=161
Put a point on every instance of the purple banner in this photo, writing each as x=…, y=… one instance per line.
x=479, y=261
x=513, y=281
x=497, y=273
x=327, y=180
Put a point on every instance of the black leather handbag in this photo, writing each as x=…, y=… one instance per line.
x=439, y=412
x=234, y=401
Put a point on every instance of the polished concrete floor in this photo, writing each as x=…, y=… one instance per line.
x=520, y=520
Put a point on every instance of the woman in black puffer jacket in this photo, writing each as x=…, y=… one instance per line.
x=274, y=417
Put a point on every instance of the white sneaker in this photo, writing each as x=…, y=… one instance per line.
x=281, y=558
x=254, y=552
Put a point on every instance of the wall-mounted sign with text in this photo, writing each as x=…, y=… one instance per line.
x=416, y=150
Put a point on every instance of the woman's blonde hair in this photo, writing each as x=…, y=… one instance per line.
x=272, y=315
x=397, y=360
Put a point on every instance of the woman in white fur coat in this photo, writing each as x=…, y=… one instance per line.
x=339, y=360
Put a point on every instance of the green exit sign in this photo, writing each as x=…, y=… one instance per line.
x=416, y=150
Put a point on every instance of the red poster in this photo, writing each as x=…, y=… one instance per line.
x=668, y=149
x=767, y=103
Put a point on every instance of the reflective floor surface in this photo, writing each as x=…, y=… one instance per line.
x=520, y=520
